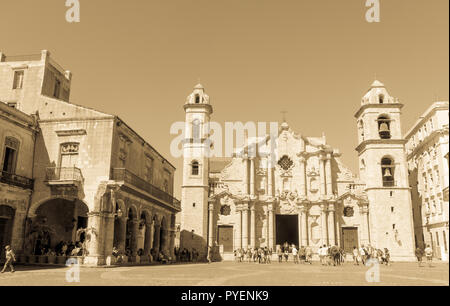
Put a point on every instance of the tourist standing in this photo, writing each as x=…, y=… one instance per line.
x=280, y=254
x=419, y=256
x=10, y=258
x=355, y=256
x=308, y=257
x=429, y=255
x=295, y=254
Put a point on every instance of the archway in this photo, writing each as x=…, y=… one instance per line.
x=131, y=233
x=120, y=227
x=58, y=222
x=6, y=225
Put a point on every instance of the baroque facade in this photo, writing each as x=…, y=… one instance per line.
x=95, y=179
x=427, y=150
x=299, y=191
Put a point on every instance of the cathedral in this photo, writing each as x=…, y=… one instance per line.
x=301, y=193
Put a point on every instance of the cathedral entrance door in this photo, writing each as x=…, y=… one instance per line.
x=225, y=238
x=350, y=238
x=287, y=229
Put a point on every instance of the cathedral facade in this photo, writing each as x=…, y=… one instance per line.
x=300, y=192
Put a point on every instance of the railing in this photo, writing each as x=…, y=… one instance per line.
x=64, y=174
x=23, y=58
x=16, y=180
x=120, y=174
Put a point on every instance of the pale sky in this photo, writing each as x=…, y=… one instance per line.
x=313, y=58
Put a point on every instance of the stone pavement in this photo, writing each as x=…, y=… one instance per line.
x=233, y=274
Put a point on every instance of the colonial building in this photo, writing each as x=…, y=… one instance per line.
x=427, y=150
x=17, y=138
x=95, y=178
x=298, y=191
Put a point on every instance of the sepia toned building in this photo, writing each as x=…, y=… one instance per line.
x=17, y=139
x=95, y=179
x=427, y=150
x=297, y=190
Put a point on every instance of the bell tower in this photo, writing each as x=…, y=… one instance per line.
x=195, y=187
x=383, y=168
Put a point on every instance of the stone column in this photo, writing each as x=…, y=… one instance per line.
x=271, y=229
x=304, y=216
x=95, y=223
x=300, y=225
x=302, y=176
x=245, y=226
x=211, y=224
x=331, y=224
x=157, y=237
x=245, y=175
x=252, y=226
x=252, y=176
x=329, y=176
x=322, y=176
x=323, y=223
x=238, y=238
x=269, y=177
x=365, y=225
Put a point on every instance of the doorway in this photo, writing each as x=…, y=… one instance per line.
x=350, y=238
x=225, y=238
x=287, y=229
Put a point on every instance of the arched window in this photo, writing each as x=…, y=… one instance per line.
x=381, y=99
x=384, y=127
x=197, y=99
x=195, y=168
x=388, y=172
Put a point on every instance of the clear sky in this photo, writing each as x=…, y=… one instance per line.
x=313, y=58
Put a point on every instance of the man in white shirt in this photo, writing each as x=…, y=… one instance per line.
x=295, y=254
x=429, y=254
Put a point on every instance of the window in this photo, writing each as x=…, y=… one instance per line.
x=445, y=241
x=195, y=168
x=384, y=128
x=10, y=155
x=361, y=130
x=149, y=169
x=197, y=99
x=57, y=88
x=18, y=79
x=387, y=172
x=381, y=99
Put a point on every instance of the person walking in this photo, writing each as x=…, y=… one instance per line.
x=10, y=258
x=295, y=254
x=419, y=255
x=355, y=256
x=362, y=252
x=429, y=255
x=280, y=254
x=308, y=257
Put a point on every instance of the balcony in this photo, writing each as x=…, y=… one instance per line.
x=69, y=176
x=123, y=175
x=16, y=180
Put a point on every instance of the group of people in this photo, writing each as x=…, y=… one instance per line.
x=328, y=255
x=366, y=253
x=159, y=256
x=428, y=253
x=185, y=255
x=260, y=255
x=71, y=248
